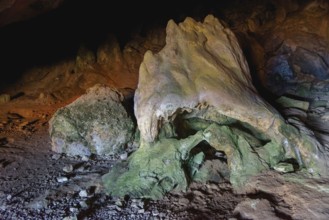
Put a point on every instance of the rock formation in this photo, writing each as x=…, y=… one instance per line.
x=198, y=90
x=95, y=123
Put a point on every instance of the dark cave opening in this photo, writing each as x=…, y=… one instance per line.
x=204, y=156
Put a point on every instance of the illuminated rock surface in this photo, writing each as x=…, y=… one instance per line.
x=200, y=82
x=95, y=123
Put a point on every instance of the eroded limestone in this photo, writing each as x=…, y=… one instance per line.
x=200, y=83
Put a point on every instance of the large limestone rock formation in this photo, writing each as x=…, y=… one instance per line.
x=95, y=123
x=196, y=94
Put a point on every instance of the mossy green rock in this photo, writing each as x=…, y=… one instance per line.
x=200, y=83
x=96, y=123
x=153, y=170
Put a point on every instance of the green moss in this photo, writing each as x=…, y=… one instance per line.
x=195, y=163
x=153, y=169
x=245, y=163
x=305, y=150
x=272, y=153
x=157, y=168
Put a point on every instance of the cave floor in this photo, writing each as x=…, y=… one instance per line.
x=36, y=183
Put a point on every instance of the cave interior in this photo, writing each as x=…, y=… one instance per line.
x=106, y=113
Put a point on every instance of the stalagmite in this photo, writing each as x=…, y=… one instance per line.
x=199, y=87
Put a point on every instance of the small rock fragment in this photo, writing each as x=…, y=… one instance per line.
x=84, y=158
x=155, y=212
x=118, y=203
x=124, y=156
x=83, y=204
x=74, y=210
x=83, y=193
x=70, y=218
x=284, y=167
x=62, y=179
x=68, y=168
x=183, y=201
x=56, y=156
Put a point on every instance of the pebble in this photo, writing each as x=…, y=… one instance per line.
x=68, y=168
x=183, y=201
x=124, y=156
x=112, y=212
x=56, y=156
x=141, y=211
x=141, y=204
x=3, y=207
x=84, y=158
x=70, y=218
x=38, y=204
x=80, y=169
x=73, y=209
x=83, y=193
x=118, y=203
x=83, y=204
x=155, y=212
x=62, y=179
x=220, y=155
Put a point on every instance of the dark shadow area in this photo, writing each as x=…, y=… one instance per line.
x=182, y=127
x=57, y=35
x=210, y=152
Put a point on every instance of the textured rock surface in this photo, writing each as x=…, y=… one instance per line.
x=153, y=170
x=94, y=123
x=292, y=61
x=201, y=65
x=288, y=196
x=200, y=82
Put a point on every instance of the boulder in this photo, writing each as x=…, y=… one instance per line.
x=95, y=123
